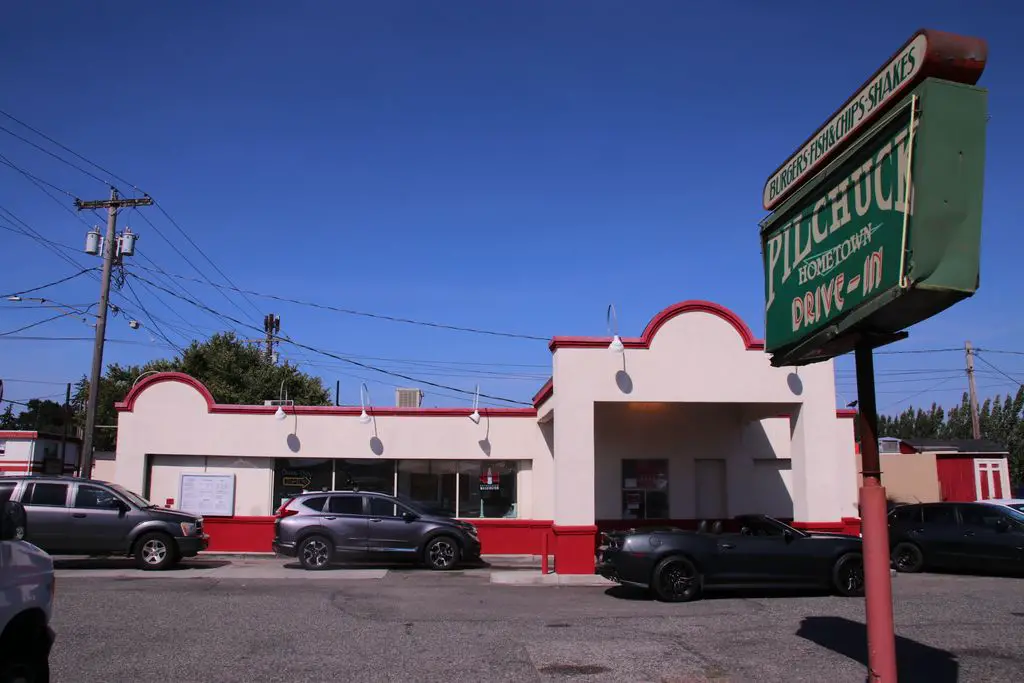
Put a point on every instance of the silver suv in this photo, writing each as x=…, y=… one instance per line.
x=320, y=528
x=71, y=516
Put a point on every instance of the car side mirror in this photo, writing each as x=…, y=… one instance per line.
x=13, y=521
x=788, y=535
x=1002, y=526
x=409, y=517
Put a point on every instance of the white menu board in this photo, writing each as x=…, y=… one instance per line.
x=207, y=494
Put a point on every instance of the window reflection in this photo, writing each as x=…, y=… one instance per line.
x=487, y=489
x=428, y=483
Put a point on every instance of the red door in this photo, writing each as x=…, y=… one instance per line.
x=956, y=479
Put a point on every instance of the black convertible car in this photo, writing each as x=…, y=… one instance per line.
x=676, y=565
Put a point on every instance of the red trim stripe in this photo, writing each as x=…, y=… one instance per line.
x=644, y=341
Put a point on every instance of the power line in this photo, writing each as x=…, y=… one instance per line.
x=1012, y=353
x=886, y=353
x=121, y=179
x=150, y=317
x=33, y=381
x=56, y=156
x=133, y=342
x=37, y=323
x=1015, y=381
x=68, y=150
x=923, y=391
x=35, y=178
x=206, y=279
x=39, y=238
x=343, y=359
x=208, y=260
x=50, y=284
x=379, y=316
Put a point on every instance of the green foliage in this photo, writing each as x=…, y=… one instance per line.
x=37, y=416
x=234, y=372
x=1001, y=420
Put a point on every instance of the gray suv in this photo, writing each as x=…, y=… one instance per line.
x=71, y=516
x=320, y=528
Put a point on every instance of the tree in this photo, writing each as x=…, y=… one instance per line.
x=7, y=418
x=1001, y=420
x=37, y=416
x=234, y=372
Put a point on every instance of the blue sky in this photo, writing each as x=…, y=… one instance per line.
x=512, y=166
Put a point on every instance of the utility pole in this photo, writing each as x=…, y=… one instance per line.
x=975, y=420
x=271, y=325
x=110, y=253
x=67, y=425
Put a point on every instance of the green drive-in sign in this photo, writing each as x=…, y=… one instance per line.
x=876, y=218
x=842, y=245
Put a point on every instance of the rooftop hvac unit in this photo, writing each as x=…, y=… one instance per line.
x=888, y=446
x=408, y=398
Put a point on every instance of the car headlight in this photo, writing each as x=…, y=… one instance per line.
x=188, y=528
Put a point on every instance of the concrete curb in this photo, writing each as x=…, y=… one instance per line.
x=530, y=578
x=494, y=561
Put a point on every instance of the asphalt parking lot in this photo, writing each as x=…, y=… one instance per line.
x=248, y=624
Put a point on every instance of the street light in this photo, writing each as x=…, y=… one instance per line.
x=279, y=414
x=610, y=318
x=475, y=415
x=364, y=399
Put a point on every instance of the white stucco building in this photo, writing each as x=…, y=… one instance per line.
x=688, y=422
x=28, y=452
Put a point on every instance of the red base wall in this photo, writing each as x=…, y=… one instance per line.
x=497, y=536
x=574, y=549
x=239, y=534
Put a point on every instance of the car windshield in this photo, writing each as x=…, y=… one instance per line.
x=1015, y=512
x=135, y=498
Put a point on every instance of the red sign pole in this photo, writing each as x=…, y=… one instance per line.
x=875, y=530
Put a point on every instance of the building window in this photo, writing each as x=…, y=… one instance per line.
x=645, y=489
x=428, y=483
x=474, y=488
x=293, y=476
x=487, y=489
x=368, y=475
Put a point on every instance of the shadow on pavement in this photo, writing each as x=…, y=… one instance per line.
x=391, y=566
x=915, y=661
x=122, y=563
x=638, y=594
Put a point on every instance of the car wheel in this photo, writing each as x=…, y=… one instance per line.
x=315, y=553
x=676, y=579
x=848, y=575
x=155, y=551
x=907, y=558
x=442, y=553
x=25, y=671
x=21, y=662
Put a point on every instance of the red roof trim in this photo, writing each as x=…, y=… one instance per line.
x=19, y=434
x=128, y=405
x=848, y=413
x=644, y=341
x=545, y=392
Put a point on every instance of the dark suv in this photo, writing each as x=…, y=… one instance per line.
x=320, y=528
x=958, y=536
x=71, y=516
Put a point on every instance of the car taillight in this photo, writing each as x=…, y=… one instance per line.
x=283, y=511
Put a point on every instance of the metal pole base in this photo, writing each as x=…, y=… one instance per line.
x=877, y=583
